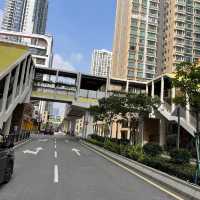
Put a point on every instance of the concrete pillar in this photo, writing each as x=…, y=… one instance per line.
x=152, y=90
x=78, y=85
x=127, y=86
x=72, y=126
x=162, y=132
x=6, y=127
x=27, y=71
x=107, y=85
x=15, y=84
x=31, y=75
x=5, y=93
x=173, y=96
x=88, y=124
x=147, y=89
x=22, y=76
x=187, y=113
x=162, y=89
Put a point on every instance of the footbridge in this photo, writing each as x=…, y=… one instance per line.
x=21, y=81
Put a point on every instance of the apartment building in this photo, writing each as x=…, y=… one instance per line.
x=181, y=33
x=29, y=16
x=101, y=62
x=135, y=39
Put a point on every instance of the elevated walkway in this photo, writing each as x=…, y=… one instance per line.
x=16, y=75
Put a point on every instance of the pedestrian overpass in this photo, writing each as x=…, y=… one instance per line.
x=21, y=81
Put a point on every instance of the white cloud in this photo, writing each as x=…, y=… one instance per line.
x=62, y=63
x=67, y=63
x=76, y=58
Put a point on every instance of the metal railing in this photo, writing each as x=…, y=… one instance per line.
x=11, y=139
x=92, y=94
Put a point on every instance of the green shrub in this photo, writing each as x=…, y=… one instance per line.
x=96, y=142
x=124, y=150
x=185, y=171
x=135, y=152
x=180, y=156
x=111, y=146
x=152, y=149
x=97, y=137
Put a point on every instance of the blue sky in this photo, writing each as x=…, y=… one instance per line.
x=79, y=26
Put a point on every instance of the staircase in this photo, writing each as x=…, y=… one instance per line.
x=188, y=124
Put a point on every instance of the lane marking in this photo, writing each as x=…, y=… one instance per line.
x=43, y=140
x=56, y=179
x=55, y=154
x=138, y=175
x=55, y=146
x=33, y=152
x=66, y=141
x=76, y=151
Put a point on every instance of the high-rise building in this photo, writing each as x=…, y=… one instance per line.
x=29, y=16
x=181, y=33
x=101, y=62
x=135, y=40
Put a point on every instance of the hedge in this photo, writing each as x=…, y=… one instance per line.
x=149, y=155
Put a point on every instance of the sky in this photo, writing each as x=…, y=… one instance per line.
x=78, y=27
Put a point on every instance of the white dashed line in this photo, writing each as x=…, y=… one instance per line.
x=56, y=179
x=55, y=154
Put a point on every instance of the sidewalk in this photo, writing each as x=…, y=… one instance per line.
x=22, y=142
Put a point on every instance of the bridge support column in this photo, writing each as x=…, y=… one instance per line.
x=78, y=84
x=127, y=86
x=5, y=93
x=15, y=84
x=152, y=89
x=88, y=124
x=173, y=96
x=162, y=132
x=6, y=126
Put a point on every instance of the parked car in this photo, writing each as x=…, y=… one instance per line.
x=6, y=158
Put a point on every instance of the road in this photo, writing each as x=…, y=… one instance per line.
x=55, y=172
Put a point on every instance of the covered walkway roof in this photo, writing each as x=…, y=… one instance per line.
x=10, y=54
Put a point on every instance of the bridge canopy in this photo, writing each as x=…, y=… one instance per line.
x=9, y=54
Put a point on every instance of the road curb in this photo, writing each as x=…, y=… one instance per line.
x=182, y=187
x=22, y=143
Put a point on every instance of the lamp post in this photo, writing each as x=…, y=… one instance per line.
x=197, y=147
x=179, y=127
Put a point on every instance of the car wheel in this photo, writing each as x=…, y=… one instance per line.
x=8, y=172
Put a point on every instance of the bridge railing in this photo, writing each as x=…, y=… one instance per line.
x=91, y=94
x=54, y=90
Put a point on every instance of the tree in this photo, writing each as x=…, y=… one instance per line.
x=187, y=79
x=108, y=110
x=130, y=107
x=137, y=106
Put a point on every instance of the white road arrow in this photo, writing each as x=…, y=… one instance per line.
x=76, y=151
x=43, y=140
x=33, y=152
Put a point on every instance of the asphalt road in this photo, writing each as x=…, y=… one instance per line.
x=55, y=172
